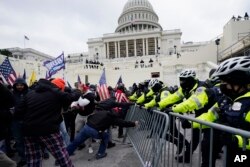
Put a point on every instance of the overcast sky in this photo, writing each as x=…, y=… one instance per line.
x=54, y=26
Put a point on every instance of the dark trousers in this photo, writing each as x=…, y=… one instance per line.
x=69, y=119
x=175, y=136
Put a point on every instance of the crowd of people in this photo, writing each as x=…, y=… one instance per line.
x=224, y=98
x=49, y=117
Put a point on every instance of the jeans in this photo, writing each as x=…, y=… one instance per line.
x=85, y=133
x=16, y=128
x=64, y=133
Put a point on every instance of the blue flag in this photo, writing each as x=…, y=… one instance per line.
x=79, y=80
x=55, y=65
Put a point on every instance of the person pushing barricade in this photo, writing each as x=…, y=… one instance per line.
x=40, y=110
x=97, y=125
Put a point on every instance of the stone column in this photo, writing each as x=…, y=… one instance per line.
x=108, y=49
x=116, y=50
x=155, y=45
x=119, y=51
x=135, y=53
x=146, y=46
x=159, y=45
x=126, y=48
x=105, y=50
x=143, y=47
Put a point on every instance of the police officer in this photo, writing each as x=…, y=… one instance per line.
x=202, y=100
x=188, y=85
x=232, y=109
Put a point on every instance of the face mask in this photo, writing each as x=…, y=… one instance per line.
x=228, y=92
x=187, y=84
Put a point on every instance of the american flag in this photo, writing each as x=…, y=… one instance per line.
x=102, y=88
x=121, y=97
x=8, y=72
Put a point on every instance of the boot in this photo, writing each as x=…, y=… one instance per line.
x=110, y=144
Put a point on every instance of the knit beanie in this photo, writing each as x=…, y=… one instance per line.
x=59, y=83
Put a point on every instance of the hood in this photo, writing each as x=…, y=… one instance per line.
x=20, y=81
x=44, y=85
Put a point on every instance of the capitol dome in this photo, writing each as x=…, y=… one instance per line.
x=138, y=15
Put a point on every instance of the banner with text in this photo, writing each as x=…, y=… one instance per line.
x=55, y=65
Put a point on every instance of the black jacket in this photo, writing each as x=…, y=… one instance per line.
x=102, y=120
x=6, y=102
x=40, y=110
x=18, y=95
x=111, y=103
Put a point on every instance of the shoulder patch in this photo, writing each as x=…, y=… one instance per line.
x=236, y=106
x=199, y=90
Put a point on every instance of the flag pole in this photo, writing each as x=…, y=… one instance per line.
x=24, y=42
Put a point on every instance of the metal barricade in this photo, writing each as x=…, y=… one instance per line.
x=209, y=138
x=161, y=141
x=147, y=137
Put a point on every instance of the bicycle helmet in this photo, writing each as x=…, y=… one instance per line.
x=187, y=73
x=152, y=83
x=233, y=64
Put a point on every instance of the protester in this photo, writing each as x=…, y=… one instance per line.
x=6, y=102
x=20, y=89
x=40, y=111
x=84, y=106
x=96, y=127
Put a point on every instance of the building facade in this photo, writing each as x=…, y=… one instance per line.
x=140, y=49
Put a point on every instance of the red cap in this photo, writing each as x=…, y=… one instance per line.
x=59, y=83
x=84, y=87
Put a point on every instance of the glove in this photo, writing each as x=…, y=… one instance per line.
x=167, y=110
x=185, y=124
x=140, y=106
x=150, y=111
x=229, y=139
x=157, y=98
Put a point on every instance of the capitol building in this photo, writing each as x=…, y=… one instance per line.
x=140, y=49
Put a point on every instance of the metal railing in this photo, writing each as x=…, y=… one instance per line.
x=243, y=42
x=147, y=137
x=161, y=141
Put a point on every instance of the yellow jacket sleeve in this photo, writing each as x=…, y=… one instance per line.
x=195, y=102
x=240, y=142
x=171, y=99
x=141, y=99
x=150, y=104
x=210, y=116
x=150, y=93
x=133, y=97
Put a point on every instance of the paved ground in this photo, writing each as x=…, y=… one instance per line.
x=122, y=155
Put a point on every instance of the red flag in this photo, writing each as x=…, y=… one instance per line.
x=102, y=88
